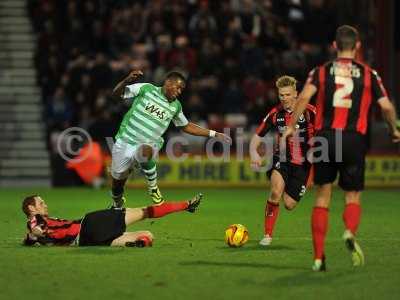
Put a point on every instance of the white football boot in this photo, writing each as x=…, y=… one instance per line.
x=319, y=265
x=357, y=255
x=266, y=240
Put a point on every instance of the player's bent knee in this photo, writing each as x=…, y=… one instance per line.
x=353, y=197
x=275, y=195
x=322, y=202
x=290, y=206
x=120, y=175
x=144, y=154
x=290, y=203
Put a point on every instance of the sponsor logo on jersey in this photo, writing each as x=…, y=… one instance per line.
x=156, y=111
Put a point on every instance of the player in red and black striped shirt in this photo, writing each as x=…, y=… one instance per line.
x=290, y=169
x=99, y=228
x=345, y=90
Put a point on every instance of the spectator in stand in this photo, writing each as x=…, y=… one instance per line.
x=182, y=56
x=202, y=24
x=233, y=97
x=101, y=72
x=209, y=56
x=59, y=111
x=227, y=47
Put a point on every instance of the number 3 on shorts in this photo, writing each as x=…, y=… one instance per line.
x=345, y=86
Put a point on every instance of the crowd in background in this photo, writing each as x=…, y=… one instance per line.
x=231, y=51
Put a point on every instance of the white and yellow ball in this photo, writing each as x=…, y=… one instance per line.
x=236, y=235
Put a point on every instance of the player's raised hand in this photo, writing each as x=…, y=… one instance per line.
x=133, y=75
x=224, y=138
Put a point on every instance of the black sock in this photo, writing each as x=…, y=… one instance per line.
x=117, y=192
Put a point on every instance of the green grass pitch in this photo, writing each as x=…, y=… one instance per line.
x=189, y=259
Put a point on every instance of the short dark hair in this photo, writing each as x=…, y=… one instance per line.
x=346, y=37
x=175, y=75
x=30, y=200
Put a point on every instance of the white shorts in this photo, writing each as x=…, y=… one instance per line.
x=124, y=158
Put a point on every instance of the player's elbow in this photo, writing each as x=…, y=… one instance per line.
x=115, y=96
x=187, y=128
x=386, y=109
x=255, y=139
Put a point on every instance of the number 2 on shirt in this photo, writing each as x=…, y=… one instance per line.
x=344, y=88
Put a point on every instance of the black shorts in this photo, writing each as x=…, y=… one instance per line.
x=347, y=158
x=100, y=228
x=295, y=177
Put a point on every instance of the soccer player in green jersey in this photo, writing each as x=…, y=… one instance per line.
x=140, y=133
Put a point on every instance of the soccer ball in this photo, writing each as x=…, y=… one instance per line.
x=236, y=235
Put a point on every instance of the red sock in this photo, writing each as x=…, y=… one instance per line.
x=319, y=227
x=351, y=216
x=158, y=211
x=271, y=214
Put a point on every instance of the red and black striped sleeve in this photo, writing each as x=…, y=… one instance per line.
x=311, y=108
x=310, y=112
x=267, y=123
x=378, y=90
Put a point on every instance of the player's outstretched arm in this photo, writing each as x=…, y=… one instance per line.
x=304, y=98
x=389, y=114
x=119, y=89
x=256, y=160
x=194, y=129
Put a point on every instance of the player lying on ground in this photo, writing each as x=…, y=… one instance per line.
x=99, y=228
x=290, y=172
x=346, y=89
x=140, y=134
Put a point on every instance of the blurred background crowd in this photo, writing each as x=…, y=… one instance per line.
x=231, y=51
